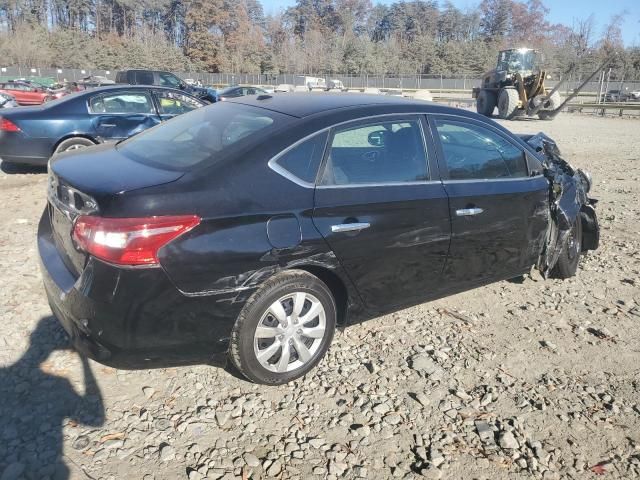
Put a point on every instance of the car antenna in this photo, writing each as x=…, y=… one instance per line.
x=264, y=97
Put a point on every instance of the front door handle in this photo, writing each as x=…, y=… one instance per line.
x=107, y=124
x=349, y=227
x=466, y=212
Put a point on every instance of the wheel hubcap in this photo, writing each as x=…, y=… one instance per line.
x=290, y=332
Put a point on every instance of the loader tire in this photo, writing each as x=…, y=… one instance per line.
x=508, y=103
x=486, y=102
x=554, y=102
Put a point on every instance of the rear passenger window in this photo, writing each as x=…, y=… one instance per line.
x=122, y=103
x=385, y=152
x=474, y=152
x=144, y=78
x=303, y=160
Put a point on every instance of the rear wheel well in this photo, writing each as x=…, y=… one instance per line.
x=337, y=287
x=68, y=137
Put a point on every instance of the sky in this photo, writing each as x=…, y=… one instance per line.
x=560, y=11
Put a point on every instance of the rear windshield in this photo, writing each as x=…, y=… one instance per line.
x=203, y=136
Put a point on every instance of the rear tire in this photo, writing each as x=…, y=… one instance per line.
x=284, y=329
x=74, y=143
x=486, y=102
x=569, y=258
x=508, y=103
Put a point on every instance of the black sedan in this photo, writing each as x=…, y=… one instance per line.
x=31, y=135
x=251, y=228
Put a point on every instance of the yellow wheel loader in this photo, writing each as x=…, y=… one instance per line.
x=516, y=86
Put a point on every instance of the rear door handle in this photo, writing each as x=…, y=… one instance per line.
x=107, y=124
x=349, y=227
x=466, y=212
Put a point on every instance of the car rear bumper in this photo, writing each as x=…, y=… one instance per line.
x=34, y=161
x=17, y=147
x=133, y=318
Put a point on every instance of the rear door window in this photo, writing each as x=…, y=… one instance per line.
x=122, y=103
x=474, y=152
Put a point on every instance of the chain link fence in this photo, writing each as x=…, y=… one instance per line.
x=409, y=82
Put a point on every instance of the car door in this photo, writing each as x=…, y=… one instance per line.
x=122, y=113
x=380, y=211
x=31, y=95
x=19, y=91
x=170, y=103
x=498, y=204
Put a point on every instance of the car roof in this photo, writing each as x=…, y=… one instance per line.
x=109, y=88
x=304, y=104
x=115, y=88
x=144, y=70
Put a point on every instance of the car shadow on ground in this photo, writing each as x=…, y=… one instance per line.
x=14, y=168
x=34, y=405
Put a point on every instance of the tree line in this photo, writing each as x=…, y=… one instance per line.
x=312, y=36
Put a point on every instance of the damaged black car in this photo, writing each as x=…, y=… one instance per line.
x=249, y=230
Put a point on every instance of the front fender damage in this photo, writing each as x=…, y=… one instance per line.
x=569, y=203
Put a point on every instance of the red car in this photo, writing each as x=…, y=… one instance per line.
x=25, y=93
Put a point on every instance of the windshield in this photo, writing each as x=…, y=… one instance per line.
x=203, y=136
x=516, y=60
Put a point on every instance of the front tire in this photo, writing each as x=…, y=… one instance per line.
x=569, y=258
x=552, y=103
x=508, y=103
x=284, y=329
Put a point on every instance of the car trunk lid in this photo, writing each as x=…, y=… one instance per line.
x=80, y=182
x=103, y=170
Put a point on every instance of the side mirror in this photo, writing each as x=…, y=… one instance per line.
x=377, y=138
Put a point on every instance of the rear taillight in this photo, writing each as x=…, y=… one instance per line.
x=129, y=241
x=8, y=126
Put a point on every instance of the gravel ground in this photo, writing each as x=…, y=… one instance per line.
x=537, y=379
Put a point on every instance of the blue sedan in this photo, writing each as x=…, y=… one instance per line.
x=30, y=135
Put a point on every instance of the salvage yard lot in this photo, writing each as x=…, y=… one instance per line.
x=530, y=379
